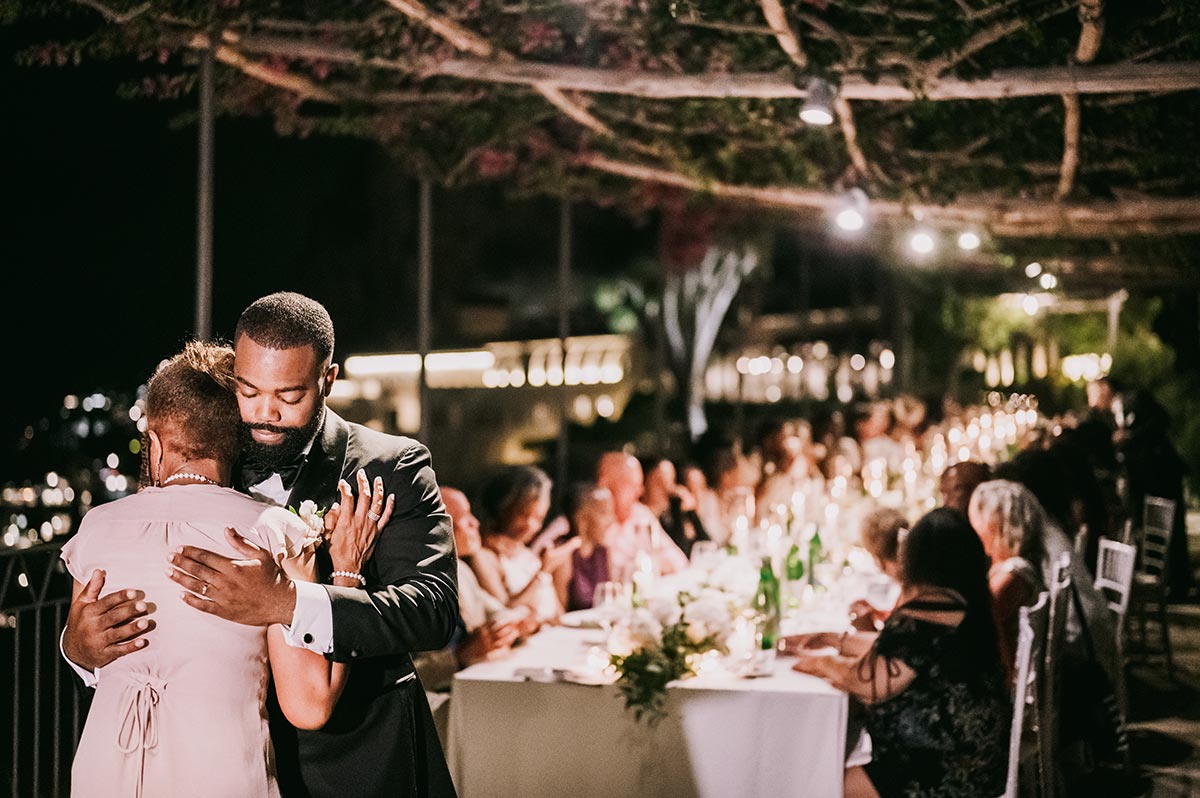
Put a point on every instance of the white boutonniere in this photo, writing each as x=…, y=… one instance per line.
x=312, y=516
x=296, y=554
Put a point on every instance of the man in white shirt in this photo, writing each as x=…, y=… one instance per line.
x=636, y=531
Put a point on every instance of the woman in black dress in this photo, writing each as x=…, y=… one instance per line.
x=937, y=706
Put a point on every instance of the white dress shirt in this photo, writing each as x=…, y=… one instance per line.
x=312, y=619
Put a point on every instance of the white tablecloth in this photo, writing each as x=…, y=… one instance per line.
x=778, y=736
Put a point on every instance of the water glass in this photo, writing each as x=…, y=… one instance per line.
x=608, y=602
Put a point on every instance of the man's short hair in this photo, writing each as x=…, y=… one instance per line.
x=286, y=320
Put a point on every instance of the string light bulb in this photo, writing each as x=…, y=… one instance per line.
x=969, y=241
x=922, y=242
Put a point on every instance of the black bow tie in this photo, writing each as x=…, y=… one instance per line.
x=253, y=473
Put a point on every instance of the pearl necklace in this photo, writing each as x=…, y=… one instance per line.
x=189, y=475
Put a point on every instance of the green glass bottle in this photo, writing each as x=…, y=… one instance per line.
x=816, y=553
x=767, y=603
x=793, y=574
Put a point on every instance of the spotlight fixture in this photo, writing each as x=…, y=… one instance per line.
x=853, y=216
x=818, y=102
x=969, y=241
x=1048, y=281
x=1033, y=270
x=922, y=242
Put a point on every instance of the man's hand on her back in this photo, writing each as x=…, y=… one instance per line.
x=100, y=630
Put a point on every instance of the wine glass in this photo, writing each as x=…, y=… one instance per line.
x=608, y=603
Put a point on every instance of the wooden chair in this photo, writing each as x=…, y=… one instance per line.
x=1031, y=639
x=1149, y=594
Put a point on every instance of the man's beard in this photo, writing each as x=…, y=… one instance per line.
x=276, y=455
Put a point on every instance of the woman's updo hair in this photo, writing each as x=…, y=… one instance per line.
x=191, y=404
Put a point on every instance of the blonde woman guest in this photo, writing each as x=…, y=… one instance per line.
x=1024, y=545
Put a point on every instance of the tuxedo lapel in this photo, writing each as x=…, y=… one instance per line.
x=322, y=469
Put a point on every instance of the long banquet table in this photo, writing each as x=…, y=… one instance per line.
x=723, y=737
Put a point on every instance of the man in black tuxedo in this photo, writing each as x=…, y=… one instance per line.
x=381, y=739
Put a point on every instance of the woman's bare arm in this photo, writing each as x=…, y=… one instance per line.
x=867, y=681
x=486, y=566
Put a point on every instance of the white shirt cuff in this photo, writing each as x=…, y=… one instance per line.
x=312, y=620
x=90, y=678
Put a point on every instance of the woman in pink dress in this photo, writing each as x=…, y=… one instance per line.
x=184, y=714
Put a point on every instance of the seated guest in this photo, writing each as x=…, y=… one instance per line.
x=672, y=503
x=910, y=414
x=881, y=531
x=514, y=505
x=636, y=529
x=787, y=467
x=1024, y=544
x=489, y=628
x=1010, y=528
x=937, y=704
x=582, y=562
x=874, y=431
x=730, y=477
x=708, y=506
x=959, y=481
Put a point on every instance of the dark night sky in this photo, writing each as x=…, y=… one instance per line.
x=97, y=243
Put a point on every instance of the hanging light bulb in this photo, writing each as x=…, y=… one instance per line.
x=1030, y=304
x=1033, y=270
x=922, y=242
x=1048, y=281
x=969, y=241
x=850, y=220
x=853, y=216
x=818, y=102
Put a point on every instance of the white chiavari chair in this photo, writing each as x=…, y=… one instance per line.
x=1031, y=639
x=1114, y=581
x=1050, y=677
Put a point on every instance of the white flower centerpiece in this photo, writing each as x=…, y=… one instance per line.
x=677, y=628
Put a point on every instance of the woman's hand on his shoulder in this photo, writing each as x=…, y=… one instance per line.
x=354, y=523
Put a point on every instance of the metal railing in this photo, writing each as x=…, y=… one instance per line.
x=44, y=699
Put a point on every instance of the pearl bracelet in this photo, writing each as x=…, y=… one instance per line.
x=362, y=580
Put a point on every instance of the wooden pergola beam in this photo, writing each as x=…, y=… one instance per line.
x=1091, y=29
x=1002, y=84
x=1015, y=218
